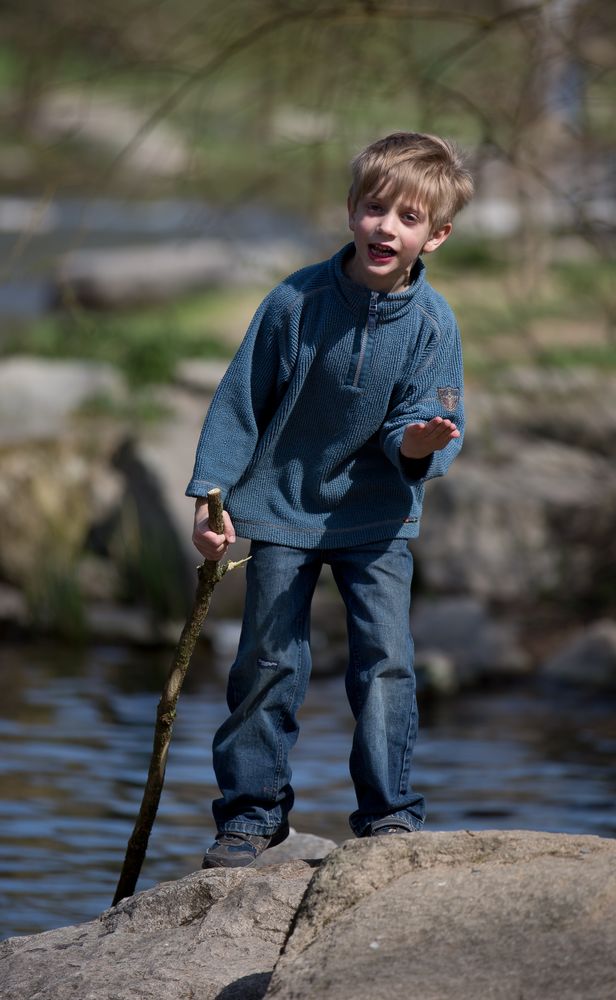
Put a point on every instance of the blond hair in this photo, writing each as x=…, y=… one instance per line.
x=424, y=167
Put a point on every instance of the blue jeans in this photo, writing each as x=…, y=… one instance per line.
x=269, y=678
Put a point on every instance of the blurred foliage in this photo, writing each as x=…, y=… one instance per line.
x=275, y=96
x=270, y=99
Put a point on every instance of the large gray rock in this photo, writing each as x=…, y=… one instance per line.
x=38, y=396
x=213, y=934
x=56, y=480
x=588, y=659
x=520, y=524
x=55, y=475
x=574, y=406
x=445, y=916
x=456, y=916
x=529, y=509
x=462, y=629
x=156, y=467
x=124, y=276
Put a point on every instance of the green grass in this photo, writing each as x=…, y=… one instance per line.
x=141, y=407
x=464, y=254
x=483, y=321
x=56, y=603
x=566, y=319
x=601, y=356
x=588, y=285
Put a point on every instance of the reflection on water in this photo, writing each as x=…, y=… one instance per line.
x=76, y=732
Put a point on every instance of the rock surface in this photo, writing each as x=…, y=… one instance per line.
x=520, y=526
x=446, y=916
x=38, y=396
x=156, y=467
x=297, y=847
x=528, y=512
x=213, y=934
x=456, y=916
x=186, y=940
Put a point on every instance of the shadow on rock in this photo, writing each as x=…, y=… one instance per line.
x=247, y=988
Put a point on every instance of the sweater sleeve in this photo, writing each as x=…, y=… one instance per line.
x=436, y=390
x=243, y=402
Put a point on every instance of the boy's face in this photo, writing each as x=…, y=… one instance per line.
x=390, y=233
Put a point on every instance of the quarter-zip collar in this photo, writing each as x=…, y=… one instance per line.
x=358, y=297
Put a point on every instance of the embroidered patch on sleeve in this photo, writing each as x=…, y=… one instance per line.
x=449, y=397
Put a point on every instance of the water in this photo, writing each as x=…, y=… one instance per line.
x=76, y=731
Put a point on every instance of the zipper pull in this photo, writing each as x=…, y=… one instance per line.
x=373, y=309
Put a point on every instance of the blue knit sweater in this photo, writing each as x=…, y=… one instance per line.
x=303, y=434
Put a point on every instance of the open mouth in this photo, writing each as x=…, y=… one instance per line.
x=380, y=251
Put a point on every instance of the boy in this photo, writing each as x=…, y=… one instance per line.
x=343, y=399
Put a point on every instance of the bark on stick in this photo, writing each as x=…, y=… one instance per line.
x=210, y=573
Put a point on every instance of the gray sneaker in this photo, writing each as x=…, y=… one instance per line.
x=240, y=850
x=387, y=825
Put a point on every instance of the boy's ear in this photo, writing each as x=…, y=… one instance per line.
x=437, y=238
x=351, y=211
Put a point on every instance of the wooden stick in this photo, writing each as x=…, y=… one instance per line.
x=210, y=573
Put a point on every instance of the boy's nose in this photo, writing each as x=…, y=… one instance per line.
x=386, y=225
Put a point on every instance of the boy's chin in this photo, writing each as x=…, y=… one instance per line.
x=387, y=279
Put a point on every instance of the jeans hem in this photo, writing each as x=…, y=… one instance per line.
x=252, y=829
x=413, y=824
